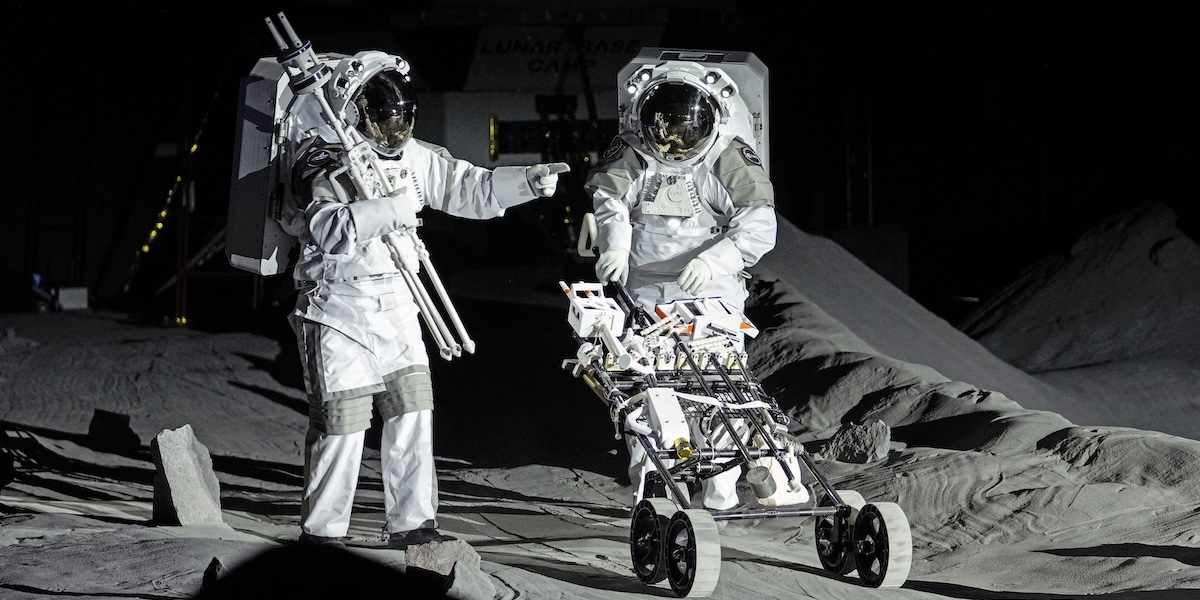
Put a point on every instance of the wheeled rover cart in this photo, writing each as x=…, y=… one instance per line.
x=677, y=382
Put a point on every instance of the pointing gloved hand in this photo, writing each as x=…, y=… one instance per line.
x=695, y=276
x=543, y=177
x=613, y=265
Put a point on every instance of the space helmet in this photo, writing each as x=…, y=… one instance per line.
x=677, y=120
x=387, y=110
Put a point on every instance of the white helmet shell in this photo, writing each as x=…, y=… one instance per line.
x=349, y=74
x=735, y=81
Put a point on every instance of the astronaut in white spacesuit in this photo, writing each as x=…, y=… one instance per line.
x=355, y=319
x=683, y=206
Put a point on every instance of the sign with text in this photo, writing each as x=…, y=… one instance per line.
x=546, y=58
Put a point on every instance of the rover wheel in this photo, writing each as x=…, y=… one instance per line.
x=835, y=551
x=693, y=553
x=647, y=531
x=882, y=545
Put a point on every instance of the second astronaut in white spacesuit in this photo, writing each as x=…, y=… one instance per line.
x=355, y=319
x=682, y=209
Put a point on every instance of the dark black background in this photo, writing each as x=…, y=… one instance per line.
x=995, y=132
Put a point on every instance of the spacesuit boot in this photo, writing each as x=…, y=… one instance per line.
x=720, y=492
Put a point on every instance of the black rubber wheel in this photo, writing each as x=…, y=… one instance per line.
x=693, y=553
x=836, y=553
x=882, y=545
x=647, y=532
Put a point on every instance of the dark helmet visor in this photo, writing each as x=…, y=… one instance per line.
x=677, y=120
x=387, y=109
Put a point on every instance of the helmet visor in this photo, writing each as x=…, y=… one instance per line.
x=677, y=120
x=387, y=109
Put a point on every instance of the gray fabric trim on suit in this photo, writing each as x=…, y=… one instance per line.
x=747, y=183
x=364, y=392
x=340, y=416
x=408, y=390
x=619, y=176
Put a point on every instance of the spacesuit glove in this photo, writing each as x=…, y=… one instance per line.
x=379, y=215
x=404, y=251
x=695, y=276
x=405, y=207
x=613, y=265
x=543, y=177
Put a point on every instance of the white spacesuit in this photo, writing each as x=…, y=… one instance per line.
x=683, y=205
x=355, y=318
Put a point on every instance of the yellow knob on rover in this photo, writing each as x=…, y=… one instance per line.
x=682, y=448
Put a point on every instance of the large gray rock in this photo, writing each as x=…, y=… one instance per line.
x=458, y=562
x=470, y=583
x=440, y=557
x=860, y=443
x=186, y=491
